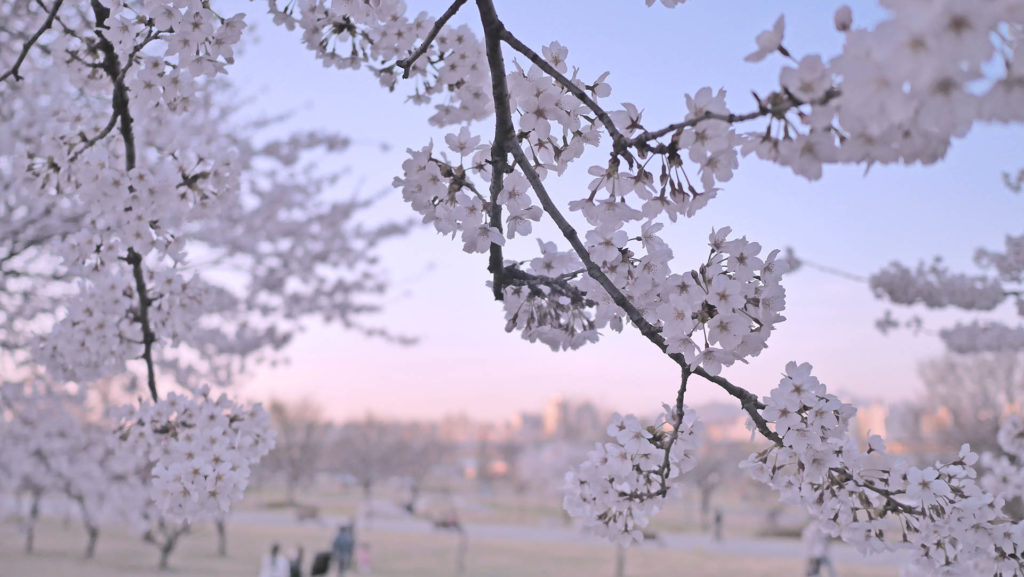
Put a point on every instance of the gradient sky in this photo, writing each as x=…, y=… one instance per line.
x=851, y=219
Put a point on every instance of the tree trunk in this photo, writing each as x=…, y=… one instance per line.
x=92, y=530
x=620, y=561
x=222, y=538
x=165, y=551
x=368, y=498
x=30, y=526
x=93, y=535
x=460, y=553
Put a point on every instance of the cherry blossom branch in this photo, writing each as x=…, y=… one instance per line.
x=891, y=503
x=13, y=72
x=407, y=62
x=148, y=337
x=666, y=465
x=493, y=27
x=515, y=276
x=119, y=100
x=112, y=67
x=89, y=143
x=621, y=142
x=747, y=399
x=503, y=133
x=763, y=109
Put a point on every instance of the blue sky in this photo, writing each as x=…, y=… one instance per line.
x=467, y=363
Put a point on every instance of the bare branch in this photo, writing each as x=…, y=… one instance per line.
x=778, y=110
x=148, y=338
x=407, y=62
x=31, y=41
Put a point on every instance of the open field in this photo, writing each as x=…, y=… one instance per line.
x=745, y=514
x=396, y=553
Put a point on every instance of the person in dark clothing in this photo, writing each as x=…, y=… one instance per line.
x=343, y=547
x=295, y=563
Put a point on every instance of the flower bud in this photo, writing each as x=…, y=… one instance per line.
x=843, y=18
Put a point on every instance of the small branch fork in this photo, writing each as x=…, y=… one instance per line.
x=27, y=47
x=515, y=276
x=505, y=141
x=406, y=63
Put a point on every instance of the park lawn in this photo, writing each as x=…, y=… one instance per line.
x=394, y=554
x=744, y=516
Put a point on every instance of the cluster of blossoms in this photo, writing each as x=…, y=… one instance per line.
x=111, y=195
x=348, y=34
x=157, y=58
x=623, y=482
x=721, y=312
x=978, y=336
x=898, y=92
x=95, y=337
x=200, y=450
x=935, y=286
x=878, y=502
x=1003, y=471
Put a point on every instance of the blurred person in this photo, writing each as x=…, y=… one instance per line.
x=819, y=559
x=321, y=564
x=275, y=564
x=295, y=564
x=343, y=546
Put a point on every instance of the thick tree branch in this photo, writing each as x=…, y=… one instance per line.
x=748, y=401
x=406, y=63
x=503, y=133
x=13, y=72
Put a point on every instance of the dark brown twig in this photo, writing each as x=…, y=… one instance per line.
x=407, y=62
x=621, y=142
x=31, y=41
x=148, y=338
